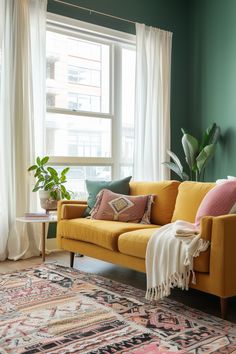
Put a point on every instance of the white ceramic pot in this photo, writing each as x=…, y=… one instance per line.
x=46, y=201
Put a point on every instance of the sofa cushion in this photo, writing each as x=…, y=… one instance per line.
x=120, y=207
x=99, y=232
x=165, y=196
x=94, y=187
x=219, y=201
x=134, y=243
x=189, y=198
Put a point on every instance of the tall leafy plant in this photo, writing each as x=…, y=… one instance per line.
x=48, y=179
x=197, y=154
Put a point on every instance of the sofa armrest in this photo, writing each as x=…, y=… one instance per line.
x=70, y=209
x=223, y=254
x=206, y=227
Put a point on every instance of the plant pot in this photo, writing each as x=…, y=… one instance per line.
x=46, y=201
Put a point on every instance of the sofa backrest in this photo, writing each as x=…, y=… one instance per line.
x=189, y=197
x=165, y=197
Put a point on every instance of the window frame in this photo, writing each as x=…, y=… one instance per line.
x=116, y=40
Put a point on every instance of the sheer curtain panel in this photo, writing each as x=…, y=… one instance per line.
x=152, y=103
x=22, y=98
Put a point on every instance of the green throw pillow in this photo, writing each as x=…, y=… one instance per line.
x=120, y=186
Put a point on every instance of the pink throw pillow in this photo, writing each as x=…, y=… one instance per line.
x=119, y=207
x=218, y=201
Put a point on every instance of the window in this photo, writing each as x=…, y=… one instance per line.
x=90, y=101
x=50, y=74
x=77, y=101
x=51, y=97
x=84, y=76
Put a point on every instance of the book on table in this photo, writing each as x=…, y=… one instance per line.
x=36, y=215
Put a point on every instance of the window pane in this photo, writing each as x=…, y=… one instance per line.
x=80, y=68
x=78, y=174
x=68, y=135
x=128, y=91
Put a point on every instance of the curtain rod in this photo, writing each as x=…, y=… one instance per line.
x=93, y=11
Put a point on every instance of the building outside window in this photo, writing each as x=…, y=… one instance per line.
x=84, y=76
x=83, y=102
x=50, y=69
x=90, y=102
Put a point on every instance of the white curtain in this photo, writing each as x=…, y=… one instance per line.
x=152, y=103
x=22, y=108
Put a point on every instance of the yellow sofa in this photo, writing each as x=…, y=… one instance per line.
x=125, y=243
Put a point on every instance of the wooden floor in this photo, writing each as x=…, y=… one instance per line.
x=192, y=298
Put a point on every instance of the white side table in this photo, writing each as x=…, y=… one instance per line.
x=43, y=221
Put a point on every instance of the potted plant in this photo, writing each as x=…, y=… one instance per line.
x=49, y=183
x=197, y=154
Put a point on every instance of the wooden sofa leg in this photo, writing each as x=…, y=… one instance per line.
x=223, y=307
x=72, y=256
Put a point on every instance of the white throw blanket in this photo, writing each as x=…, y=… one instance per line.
x=169, y=258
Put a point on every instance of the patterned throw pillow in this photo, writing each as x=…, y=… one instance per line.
x=220, y=200
x=119, y=207
x=94, y=187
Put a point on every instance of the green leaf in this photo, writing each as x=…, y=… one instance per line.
x=67, y=196
x=183, y=131
x=52, y=171
x=205, y=156
x=49, y=186
x=44, y=160
x=64, y=172
x=36, y=189
x=63, y=189
x=210, y=136
x=175, y=159
x=175, y=168
x=37, y=184
x=53, y=194
x=185, y=177
x=37, y=173
x=38, y=161
x=32, y=168
x=190, y=146
x=215, y=135
x=63, y=179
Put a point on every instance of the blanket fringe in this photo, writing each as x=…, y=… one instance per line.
x=175, y=280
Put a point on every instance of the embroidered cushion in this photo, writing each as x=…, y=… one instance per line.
x=119, y=207
x=94, y=187
x=218, y=201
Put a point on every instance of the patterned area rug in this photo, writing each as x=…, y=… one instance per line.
x=53, y=309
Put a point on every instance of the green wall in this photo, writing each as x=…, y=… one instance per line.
x=212, y=78
x=171, y=15
x=203, y=87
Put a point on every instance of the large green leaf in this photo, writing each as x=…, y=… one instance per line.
x=205, y=156
x=215, y=135
x=190, y=146
x=175, y=159
x=210, y=136
x=175, y=168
